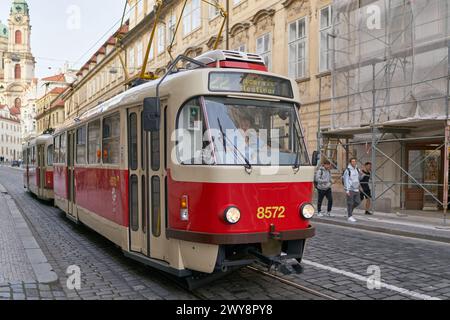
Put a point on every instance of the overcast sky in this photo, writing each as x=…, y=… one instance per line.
x=67, y=30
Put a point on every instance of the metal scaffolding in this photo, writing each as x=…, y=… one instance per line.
x=390, y=94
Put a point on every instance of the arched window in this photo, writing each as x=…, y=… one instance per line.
x=17, y=72
x=18, y=103
x=18, y=37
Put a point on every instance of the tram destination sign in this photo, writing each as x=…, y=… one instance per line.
x=250, y=83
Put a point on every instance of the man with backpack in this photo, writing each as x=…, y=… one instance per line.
x=323, y=184
x=351, y=180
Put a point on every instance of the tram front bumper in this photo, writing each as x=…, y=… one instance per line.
x=241, y=238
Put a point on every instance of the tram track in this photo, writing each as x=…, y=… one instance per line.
x=292, y=284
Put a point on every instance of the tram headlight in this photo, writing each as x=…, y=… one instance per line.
x=307, y=211
x=232, y=215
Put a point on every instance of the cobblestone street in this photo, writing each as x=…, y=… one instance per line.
x=336, y=263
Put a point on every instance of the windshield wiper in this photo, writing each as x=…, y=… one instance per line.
x=248, y=166
x=297, y=161
x=297, y=154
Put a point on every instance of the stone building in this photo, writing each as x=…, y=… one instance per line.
x=10, y=136
x=291, y=35
x=17, y=62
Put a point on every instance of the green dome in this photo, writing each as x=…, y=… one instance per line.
x=19, y=6
x=3, y=30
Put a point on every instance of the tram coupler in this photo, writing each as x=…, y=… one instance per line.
x=283, y=264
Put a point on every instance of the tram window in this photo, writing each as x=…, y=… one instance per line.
x=33, y=156
x=132, y=141
x=134, y=205
x=94, y=142
x=143, y=138
x=56, y=149
x=190, y=131
x=144, y=206
x=62, y=148
x=111, y=139
x=156, y=206
x=155, y=155
x=50, y=153
x=81, y=145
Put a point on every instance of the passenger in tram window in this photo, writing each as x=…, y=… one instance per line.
x=251, y=139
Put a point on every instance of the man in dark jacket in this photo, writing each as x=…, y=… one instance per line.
x=323, y=184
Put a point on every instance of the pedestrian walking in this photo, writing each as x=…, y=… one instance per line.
x=352, y=185
x=365, y=186
x=323, y=184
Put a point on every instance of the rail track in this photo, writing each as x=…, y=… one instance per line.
x=292, y=284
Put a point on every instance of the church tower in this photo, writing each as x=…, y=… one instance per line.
x=19, y=63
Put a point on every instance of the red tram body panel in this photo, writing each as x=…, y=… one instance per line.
x=248, y=197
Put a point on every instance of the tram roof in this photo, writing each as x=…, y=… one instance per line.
x=42, y=139
x=139, y=93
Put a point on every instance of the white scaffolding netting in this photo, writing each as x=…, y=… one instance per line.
x=395, y=48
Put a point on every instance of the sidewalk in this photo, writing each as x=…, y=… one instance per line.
x=429, y=227
x=21, y=259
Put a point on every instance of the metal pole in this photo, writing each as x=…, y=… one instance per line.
x=374, y=168
x=447, y=137
x=227, y=36
x=319, y=133
x=446, y=173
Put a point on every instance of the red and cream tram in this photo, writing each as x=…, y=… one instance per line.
x=38, y=165
x=155, y=171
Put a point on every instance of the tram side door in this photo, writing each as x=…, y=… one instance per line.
x=157, y=186
x=40, y=170
x=137, y=166
x=71, y=173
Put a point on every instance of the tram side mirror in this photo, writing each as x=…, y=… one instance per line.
x=152, y=114
x=315, y=158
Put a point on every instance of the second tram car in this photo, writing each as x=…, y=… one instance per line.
x=155, y=169
x=38, y=165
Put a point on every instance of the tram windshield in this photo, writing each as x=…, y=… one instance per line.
x=231, y=131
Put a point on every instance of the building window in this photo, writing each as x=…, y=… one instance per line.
x=161, y=39
x=140, y=7
x=264, y=48
x=191, y=16
x=241, y=48
x=18, y=103
x=171, y=25
x=140, y=53
x=297, y=48
x=17, y=72
x=18, y=37
x=214, y=11
x=131, y=63
x=325, y=41
x=236, y=2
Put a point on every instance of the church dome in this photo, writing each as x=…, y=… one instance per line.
x=3, y=30
x=19, y=6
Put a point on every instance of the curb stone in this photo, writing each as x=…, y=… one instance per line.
x=42, y=269
x=385, y=229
